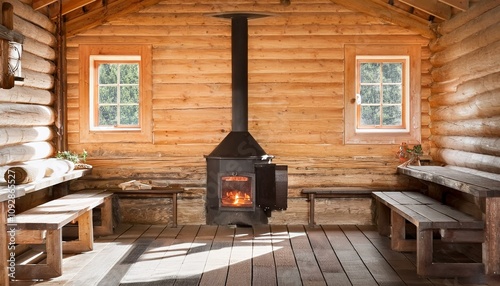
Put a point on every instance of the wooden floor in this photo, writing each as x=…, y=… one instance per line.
x=263, y=255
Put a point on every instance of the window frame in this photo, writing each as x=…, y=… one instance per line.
x=89, y=131
x=411, y=132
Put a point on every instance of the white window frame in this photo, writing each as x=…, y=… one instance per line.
x=406, y=95
x=94, y=126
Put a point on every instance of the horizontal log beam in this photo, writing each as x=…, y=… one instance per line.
x=16, y=135
x=38, y=80
x=463, y=92
x=26, y=12
x=25, y=152
x=483, y=105
x=39, y=49
x=30, y=30
x=475, y=64
x=487, y=127
x=476, y=11
x=465, y=31
x=25, y=115
x=476, y=161
x=481, y=39
x=23, y=94
x=481, y=145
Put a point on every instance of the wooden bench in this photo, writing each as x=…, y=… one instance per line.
x=43, y=225
x=155, y=192
x=332, y=192
x=483, y=188
x=7, y=195
x=429, y=215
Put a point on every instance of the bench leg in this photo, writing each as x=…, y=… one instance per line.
x=52, y=268
x=106, y=227
x=383, y=219
x=311, y=210
x=491, y=246
x=398, y=234
x=85, y=240
x=426, y=266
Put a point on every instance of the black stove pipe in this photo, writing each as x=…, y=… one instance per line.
x=239, y=64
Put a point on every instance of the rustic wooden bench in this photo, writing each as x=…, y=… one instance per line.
x=43, y=225
x=483, y=188
x=8, y=194
x=429, y=215
x=333, y=192
x=155, y=192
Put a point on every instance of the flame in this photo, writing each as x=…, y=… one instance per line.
x=236, y=198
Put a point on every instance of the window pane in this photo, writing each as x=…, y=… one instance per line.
x=107, y=115
x=392, y=94
x=108, y=73
x=370, y=72
x=129, y=73
x=129, y=94
x=392, y=115
x=370, y=115
x=392, y=72
x=129, y=115
x=107, y=94
x=370, y=94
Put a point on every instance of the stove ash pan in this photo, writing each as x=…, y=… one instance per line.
x=244, y=191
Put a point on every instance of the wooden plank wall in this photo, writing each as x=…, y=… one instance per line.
x=296, y=99
x=465, y=101
x=27, y=111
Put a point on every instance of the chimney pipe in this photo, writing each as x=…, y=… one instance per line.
x=239, y=64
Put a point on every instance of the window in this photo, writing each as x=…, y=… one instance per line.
x=115, y=90
x=382, y=94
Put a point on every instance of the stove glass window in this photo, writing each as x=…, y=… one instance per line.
x=236, y=191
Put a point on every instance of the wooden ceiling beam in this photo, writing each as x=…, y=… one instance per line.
x=432, y=7
x=391, y=14
x=461, y=5
x=104, y=14
x=39, y=4
x=67, y=7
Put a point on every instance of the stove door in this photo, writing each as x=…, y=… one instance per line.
x=271, y=186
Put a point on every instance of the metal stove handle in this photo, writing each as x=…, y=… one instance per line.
x=268, y=158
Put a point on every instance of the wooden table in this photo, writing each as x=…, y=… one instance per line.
x=155, y=192
x=486, y=193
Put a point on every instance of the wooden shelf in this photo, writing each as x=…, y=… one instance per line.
x=21, y=190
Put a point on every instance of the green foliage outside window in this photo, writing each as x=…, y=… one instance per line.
x=118, y=94
x=381, y=93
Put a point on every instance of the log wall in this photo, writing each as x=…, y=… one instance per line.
x=465, y=95
x=296, y=100
x=27, y=114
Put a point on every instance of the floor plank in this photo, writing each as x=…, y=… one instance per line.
x=310, y=272
x=327, y=260
x=240, y=263
x=147, y=255
x=287, y=271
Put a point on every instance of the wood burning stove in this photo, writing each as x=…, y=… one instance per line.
x=243, y=185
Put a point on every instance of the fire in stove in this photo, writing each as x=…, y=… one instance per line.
x=236, y=198
x=237, y=191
